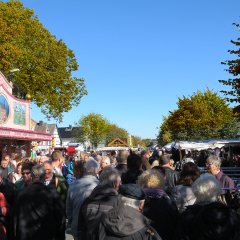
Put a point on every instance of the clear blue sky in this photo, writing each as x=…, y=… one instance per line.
x=139, y=56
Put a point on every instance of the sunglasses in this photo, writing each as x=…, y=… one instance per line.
x=209, y=164
x=26, y=173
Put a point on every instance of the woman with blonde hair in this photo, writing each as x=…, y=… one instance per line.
x=158, y=206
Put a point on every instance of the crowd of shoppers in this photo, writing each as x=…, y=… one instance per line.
x=124, y=195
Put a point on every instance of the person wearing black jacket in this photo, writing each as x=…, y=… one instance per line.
x=103, y=198
x=122, y=161
x=158, y=206
x=126, y=220
x=39, y=213
x=171, y=175
x=9, y=191
x=134, y=166
x=209, y=221
x=207, y=218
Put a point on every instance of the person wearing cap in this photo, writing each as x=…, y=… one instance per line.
x=126, y=221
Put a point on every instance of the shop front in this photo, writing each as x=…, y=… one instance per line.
x=16, y=132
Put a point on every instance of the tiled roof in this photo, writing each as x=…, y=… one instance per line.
x=41, y=127
x=66, y=132
x=44, y=127
x=51, y=128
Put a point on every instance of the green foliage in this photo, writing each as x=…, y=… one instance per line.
x=164, y=137
x=233, y=65
x=147, y=142
x=45, y=63
x=114, y=131
x=200, y=116
x=138, y=141
x=94, y=128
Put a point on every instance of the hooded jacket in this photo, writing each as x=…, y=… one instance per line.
x=77, y=193
x=101, y=200
x=125, y=222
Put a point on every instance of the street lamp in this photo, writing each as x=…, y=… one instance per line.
x=16, y=90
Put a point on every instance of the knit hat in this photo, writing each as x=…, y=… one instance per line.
x=132, y=190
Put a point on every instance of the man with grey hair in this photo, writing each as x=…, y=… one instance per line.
x=213, y=164
x=126, y=221
x=78, y=192
x=105, y=162
x=39, y=211
x=103, y=198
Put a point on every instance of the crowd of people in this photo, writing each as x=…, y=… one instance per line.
x=120, y=195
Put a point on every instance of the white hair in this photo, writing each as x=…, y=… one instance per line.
x=214, y=160
x=206, y=188
x=106, y=159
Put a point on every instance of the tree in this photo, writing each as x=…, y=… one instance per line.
x=46, y=64
x=138, y=141
x=164, y=137
x=148, y=142
x=113, y=131
x=200, y=116
x=233, y=95
x=93, y=128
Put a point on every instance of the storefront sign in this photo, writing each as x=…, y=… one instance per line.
x=24, y=135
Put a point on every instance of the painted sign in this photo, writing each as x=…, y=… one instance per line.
x=4, y=109
x=19, y=114
x=24, y=135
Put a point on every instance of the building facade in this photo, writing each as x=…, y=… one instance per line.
x=16, y=132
